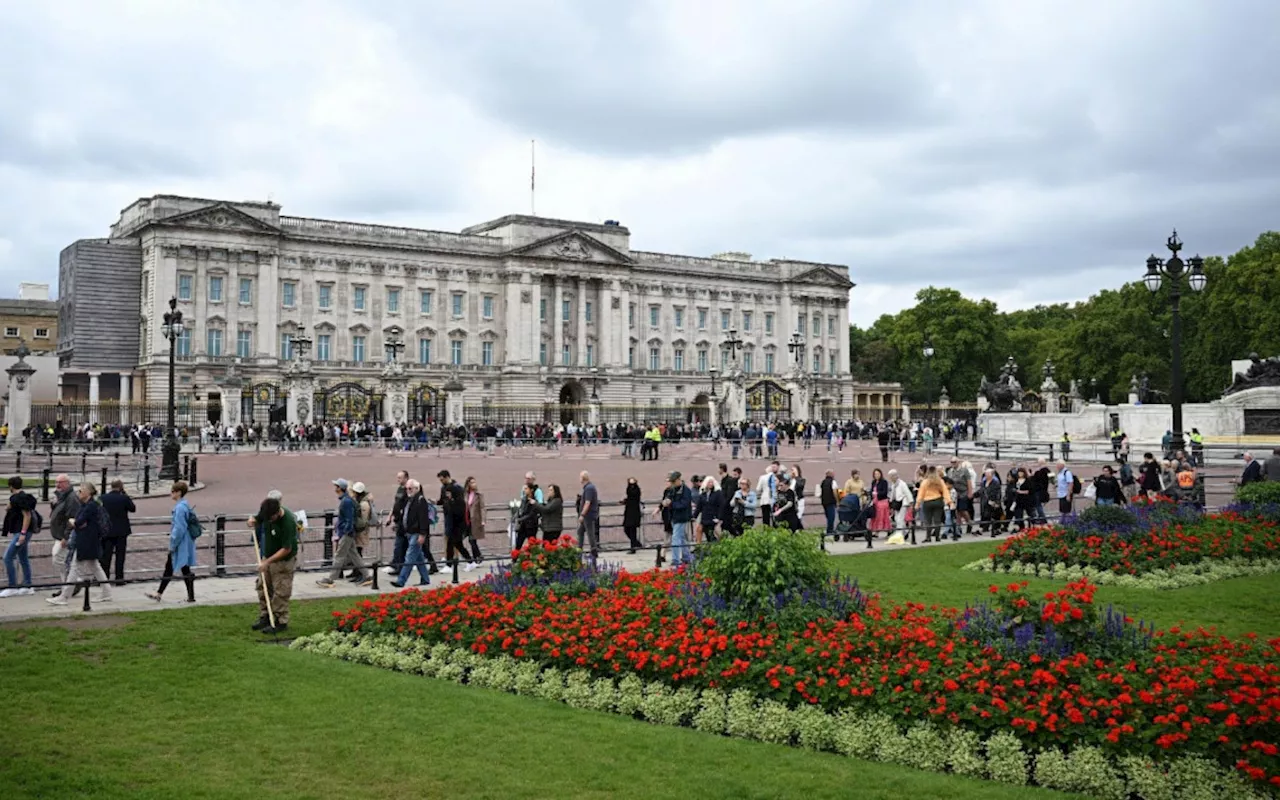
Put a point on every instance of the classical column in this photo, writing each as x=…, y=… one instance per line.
x=624, y=328
x=607, y=324
x=512, y=345
x=557, y=326
x=126, y=397
x=93, y=395
x=580, y=358
x=18, y=409
x=529, y=330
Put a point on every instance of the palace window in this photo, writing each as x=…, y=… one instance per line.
x=679, y=312
x=486, y=354
x=424, y=351
x=800, y=320
x=591, y=355
x=702, y=319
x=324, y=347
x=746, y=320
x=746, y=362
x=726, y=317
x=215, y=288
x=817, y=363
x=631, y=315
x=724, y=360
x=831, y=326
x=357, y=349
x=455, y=352
x=768, y=322
x=486, y=306
x=542, y=353
x=655, y=358
x=832, y=359
x=631, y=358
x=357, y=298
x=457, y=304
x=286, y=346
x=768, y=363
x=586, y=310
x=213, y=342
x=184, y=343
x=11, y=331
x=678, y=360
x=542, y=309
x=42, y=333
x=246, y=291
x=424, y=302
x=244, y=344
x=565, y=355
x=564, y=311
x=324, y=296
x=184, y=286
x=702, y=359
x=288, y=294
x=393, y=301
x=654, y=316
x=817, y=325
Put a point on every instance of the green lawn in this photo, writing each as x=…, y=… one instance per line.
x=189, y=702
x=933, y=575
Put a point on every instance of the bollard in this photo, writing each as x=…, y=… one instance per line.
x=1050, y=452
x=146, y=478
x=328, y=539
x=194, y=477
x=104, y=480
x=657, y=561
x=822, y=541
x=18, y=466
x=455, y=569
x=86, y=585
x=44, y=484
x=997, y=449
x=220, y=544
x=376, y=567
x=117, y=461
x=186, y=469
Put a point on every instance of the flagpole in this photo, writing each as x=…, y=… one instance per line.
x=533, y=205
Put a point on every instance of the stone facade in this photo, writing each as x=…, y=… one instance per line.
x=519, y=309
x=33, y=321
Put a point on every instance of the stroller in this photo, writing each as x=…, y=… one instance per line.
x=851, y=518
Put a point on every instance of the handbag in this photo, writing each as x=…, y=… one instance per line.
x=1091, y=491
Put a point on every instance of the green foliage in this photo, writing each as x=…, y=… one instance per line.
x=1114, y=335
x=1109, y=517
x=1259, y=493
x=762, y=563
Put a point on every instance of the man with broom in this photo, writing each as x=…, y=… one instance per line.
x=278, y=551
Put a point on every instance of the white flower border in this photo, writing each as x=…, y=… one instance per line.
x=1207, y=571
x=875, y=737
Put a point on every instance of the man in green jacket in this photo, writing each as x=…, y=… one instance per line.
x=278, y=551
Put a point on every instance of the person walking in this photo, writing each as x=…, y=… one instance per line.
x=932, y=501
x=589, y=517
x=19, y=526
x=363, y=521
x=344, y=533
x=827, y=493
x=785, y=510
x=182, y=545
x=115, y=542
x=530, y=511
x=680, y=503
x=766, y=490
x=1066, y=490
x=62, y=514
x=632, y=514
x=453, y=508
x=710, y=506
x=396, y=518
x=91, y=523
x=416, y=523
x=278, y=554
x=881, y=514
x=474, y=520
x=1107, y=490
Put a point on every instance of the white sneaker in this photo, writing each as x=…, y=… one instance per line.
x=58, y=600
x=107, y=599
x=8, y=592
x=25, y=590
x=469, y=567
x=391, y=571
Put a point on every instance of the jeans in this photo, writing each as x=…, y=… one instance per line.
x=19, y=552
x=398, y=553
x=1037, y=515
x=830, y=511
x=679, y=539
x=1104, y=501
x=413, y=558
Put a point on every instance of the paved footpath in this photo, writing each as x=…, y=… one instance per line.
x=238, y=590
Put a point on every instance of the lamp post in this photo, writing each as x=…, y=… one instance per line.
x=927, y=352
x=172, y=330
x=714, y=372
x=300, y=346
x=733, y=344
x=1172, y=271
x=796, y=346
x=595, y=380
x=394, y=345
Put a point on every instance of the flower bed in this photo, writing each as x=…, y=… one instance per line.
x=1163, y=547
x=1014, y=688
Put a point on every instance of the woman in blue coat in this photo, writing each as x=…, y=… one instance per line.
x=182, y=546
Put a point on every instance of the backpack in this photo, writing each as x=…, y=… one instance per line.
x=431, y=512
x=37, y=521
x=194, y=528
x=1075, y=484
x=362, y=521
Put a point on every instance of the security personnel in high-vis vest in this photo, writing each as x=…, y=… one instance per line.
x=1197, y=447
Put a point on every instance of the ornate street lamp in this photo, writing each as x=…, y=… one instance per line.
x=301, y=344
x=927, y=352
x=172, y=330
x=733, y=344
x=1172, y=271
x=714, y=372
x=595, y=380
x=393, y=346
x=796, y=346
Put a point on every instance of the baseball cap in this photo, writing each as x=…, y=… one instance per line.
x=358, y=487
x=341, y=483
x=673, y=476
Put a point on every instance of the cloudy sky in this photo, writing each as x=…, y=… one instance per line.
x=1025, y=150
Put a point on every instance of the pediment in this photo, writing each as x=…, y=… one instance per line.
x=326, y=327
x=222, y=216
x=216, y=320
x=572, y=245
x=823, y=275
x=488, y=335
x=457, y=333
x=359, y=327
x=655, y=341
x=393, y=330
x=427, y=331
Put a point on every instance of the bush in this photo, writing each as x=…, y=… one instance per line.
x=1259, y=493
x=753, y=569
x=1109, y=517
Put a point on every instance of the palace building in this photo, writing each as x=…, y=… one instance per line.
x=521, y=312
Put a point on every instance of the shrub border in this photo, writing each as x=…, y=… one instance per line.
x=740, y=714
x=1199, y=574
